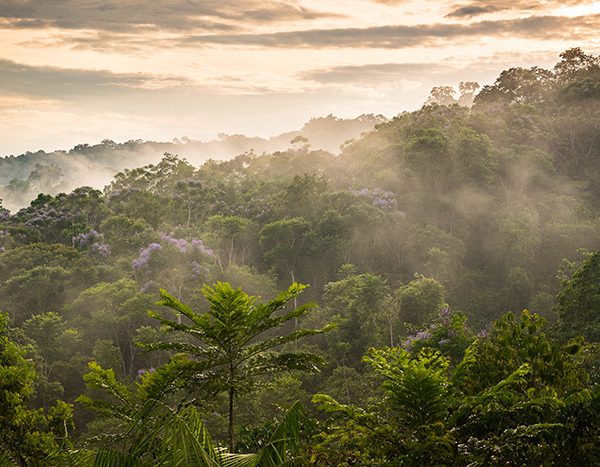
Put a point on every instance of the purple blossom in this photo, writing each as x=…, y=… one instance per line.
x=143, y=371
x=2, y=249
x=186, y=247
x=142, y=260
x=201, y=248
x=4, y=214
x=85, y=239
x=483, y=334
x=443, y=341
x=362, y=192
x=101, y=249
x=92, y=240
x=181, y=244
x=408, y=343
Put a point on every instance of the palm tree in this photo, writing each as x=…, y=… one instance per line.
x=228, y=346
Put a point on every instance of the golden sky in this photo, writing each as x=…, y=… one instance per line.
x=77, y=71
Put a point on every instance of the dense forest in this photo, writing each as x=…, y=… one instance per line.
x=428, y=296
x=22, y=177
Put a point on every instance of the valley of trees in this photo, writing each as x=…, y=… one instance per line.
x=428, y=296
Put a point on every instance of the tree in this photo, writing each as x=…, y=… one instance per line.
x=300, y=143
x=112, y=311
x=467, y=91
x=27, y=437
x=233, y=238
x=125, y=234
x=157, y=179
x=283, y=243
x=578, y=304
x=58, y=350
x=428, y=155
x=420, y=299
x=409, y=423
x=38, y=290
x=514, y=341
x=4, y=213
x=574, y=61
x=176, y=262
x=517, y=85
x=441, y=95
x=231, y=352
x=151, y=433
x=517, y=397
x=361, y=306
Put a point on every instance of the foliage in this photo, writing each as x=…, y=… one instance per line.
x=578, y=304
x=360, y=305
x=420, y=299
x=510, y=401
x=230, y=349
x=154, y=434
x=27, y=436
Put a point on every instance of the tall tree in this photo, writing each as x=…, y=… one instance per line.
x=231, y=350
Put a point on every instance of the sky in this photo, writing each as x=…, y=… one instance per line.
x=80, y=71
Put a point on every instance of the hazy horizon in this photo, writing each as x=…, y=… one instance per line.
x=79, y=72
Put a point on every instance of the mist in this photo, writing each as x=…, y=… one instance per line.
x=25, y=176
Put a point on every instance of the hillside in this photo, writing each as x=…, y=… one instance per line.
x=22, y=177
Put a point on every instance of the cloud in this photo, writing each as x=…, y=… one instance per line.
x=70, y=84
x=398, y=36
x=374, y=73
x=481, y=7
x=471, y=10
x=130, y=15
x=129, y=93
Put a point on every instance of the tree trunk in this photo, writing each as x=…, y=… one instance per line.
x=231, y=436
x=295, y=308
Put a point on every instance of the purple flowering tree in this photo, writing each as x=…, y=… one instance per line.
x=93, y=242
x=173, y=263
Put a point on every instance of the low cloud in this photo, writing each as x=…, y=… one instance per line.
x=481, y=7
x=470, y=11
x=398, y=36
x=374, y=73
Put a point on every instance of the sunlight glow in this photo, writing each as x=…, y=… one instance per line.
x=579, y=10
